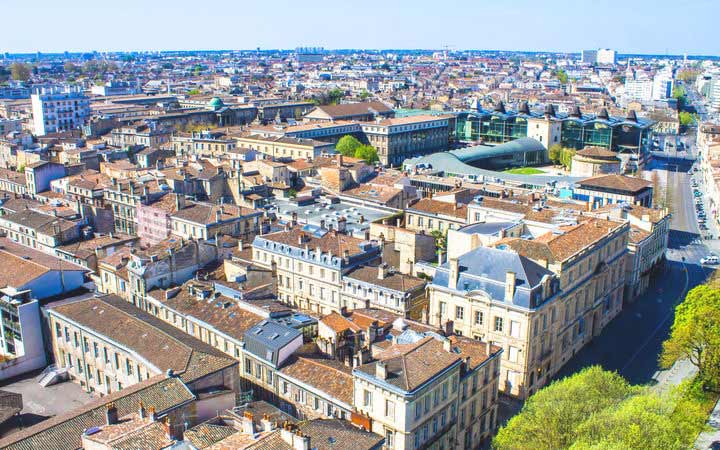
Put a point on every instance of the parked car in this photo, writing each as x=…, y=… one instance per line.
x=710, y=259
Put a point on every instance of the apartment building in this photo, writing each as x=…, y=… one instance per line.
x=40, y=231
x=285, y=147
x=58, y=108
x=123, y=197
x=647, y=242
x=589, y=260
x=429, y=215
x=107, y=345
x=495, y=296
x=429, y=391
x=383, y=288
x=138, y=135
x=206, y=221
x=310, y=266
x=207, y=143
x=400, y=138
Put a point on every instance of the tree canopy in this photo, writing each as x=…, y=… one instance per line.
x=20, y=71
x=347, y=145
x=561, y=155
x=367, y=153
x=599, y=410
x=695, y=335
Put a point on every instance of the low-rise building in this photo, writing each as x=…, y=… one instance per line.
x=429, y=391
x=310, y=267
x=107, y=345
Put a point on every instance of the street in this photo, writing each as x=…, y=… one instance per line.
x=631, y=343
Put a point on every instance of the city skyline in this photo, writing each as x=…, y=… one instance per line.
x=550, y=26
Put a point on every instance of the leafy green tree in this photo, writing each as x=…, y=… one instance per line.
x=561, y=76
x=69, y=67
x=695, y=335
x=364, y=95
x=20, y=71
x=646, y=421
x=554, y=153
x=550, y=418
x=367, y=153
x=347, y=145
x=687, y=119
x=335, y=95
x=441, y=240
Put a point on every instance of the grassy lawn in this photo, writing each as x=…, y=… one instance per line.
x=524, y=171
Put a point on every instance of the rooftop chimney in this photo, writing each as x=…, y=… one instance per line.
x=248, y=426
x=381, y=370
x=447, y=345
x=510, y=279
x=382, y=271
x=454, y=273
x=111, y=414
x=267, y=425
x=141, y=410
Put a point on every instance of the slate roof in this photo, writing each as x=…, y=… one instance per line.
x=485, y=269
x=65, y=430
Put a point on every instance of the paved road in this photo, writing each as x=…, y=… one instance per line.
x=631, y=343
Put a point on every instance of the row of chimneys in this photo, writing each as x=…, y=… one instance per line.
x=510, y=279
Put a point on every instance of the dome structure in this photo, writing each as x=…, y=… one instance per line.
x=215, y=103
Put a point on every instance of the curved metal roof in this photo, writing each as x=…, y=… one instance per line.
x=478, y=152
x=455, y=163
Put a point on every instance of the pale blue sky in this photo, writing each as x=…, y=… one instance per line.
x=630, y=26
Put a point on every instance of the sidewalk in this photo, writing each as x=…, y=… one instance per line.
x=679, y=372
x=706, y=438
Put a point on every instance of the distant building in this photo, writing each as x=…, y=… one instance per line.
x=58, y=108
x=606, y=56
x=588, y=56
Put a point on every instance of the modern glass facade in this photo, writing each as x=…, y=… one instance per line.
x=622, y=137
x=490, y=127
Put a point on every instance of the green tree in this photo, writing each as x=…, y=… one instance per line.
x=335, y=95
x=695, y=335
x=193, y=91
x=20, y=71
x=649, y=420
x=441, y=240
x=367, y=153
x=550, y=419
x=69, y=67
x=561, y=76
x=347, y=145
x=687, y=119
x=364, y=95
x=554, y=153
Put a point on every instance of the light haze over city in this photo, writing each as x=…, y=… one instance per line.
x=557, y=25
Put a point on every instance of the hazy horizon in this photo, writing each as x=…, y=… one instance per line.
x=562, y=26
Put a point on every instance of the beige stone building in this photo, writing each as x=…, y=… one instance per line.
x=429, y=391
x=541, y=299
x=106, y=344
x=310, y=268
x=284, y=147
